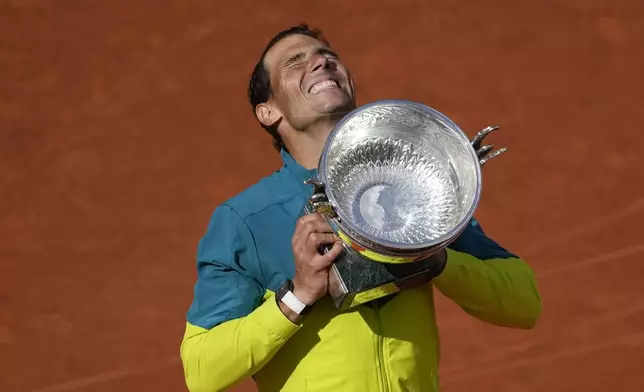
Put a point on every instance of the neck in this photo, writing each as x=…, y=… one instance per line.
x=306, y=146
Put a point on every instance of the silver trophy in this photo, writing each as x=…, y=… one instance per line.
x=397, y=181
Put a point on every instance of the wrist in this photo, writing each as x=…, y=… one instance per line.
x=302, y=295
x=289, y=313
x=293, y=307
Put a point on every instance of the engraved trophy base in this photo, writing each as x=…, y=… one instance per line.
x=356, y=280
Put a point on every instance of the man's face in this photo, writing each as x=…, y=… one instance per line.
x=309, y=81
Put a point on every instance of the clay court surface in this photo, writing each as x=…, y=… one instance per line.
x=124, y=123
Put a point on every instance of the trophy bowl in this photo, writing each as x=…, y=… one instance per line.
x=400, y=181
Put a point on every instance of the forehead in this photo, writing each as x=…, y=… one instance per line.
x=290, y=46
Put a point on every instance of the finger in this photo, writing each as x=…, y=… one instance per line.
x=303, y=229
x=318, y=239
x=329, y=257
x=312, y=223
x=308, y=217
x=313, y=226
x=312, y=217
x=321, y=262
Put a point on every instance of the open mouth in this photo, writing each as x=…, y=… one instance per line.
x=323, y=85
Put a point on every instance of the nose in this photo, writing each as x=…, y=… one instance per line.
x=319, y=61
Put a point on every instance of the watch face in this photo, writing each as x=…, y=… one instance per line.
x=285, y=288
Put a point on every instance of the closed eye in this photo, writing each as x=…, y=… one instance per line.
x=299, y=57
x=294, y=60
x=328, y=53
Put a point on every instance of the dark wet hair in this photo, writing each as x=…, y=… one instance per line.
x=259, y=86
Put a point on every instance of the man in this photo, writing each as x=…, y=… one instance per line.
x=257, y=245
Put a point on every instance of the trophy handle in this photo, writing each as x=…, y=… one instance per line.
x=319, y=201
x=484, y=152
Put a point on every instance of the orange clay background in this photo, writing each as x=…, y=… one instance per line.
x=124, y=123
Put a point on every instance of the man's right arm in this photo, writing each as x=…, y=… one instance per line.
x=233, y=329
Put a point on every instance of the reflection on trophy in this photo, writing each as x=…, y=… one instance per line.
x=397, y=181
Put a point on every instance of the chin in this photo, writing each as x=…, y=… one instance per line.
x=338, y=106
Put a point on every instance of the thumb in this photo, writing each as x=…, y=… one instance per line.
x=333, y=252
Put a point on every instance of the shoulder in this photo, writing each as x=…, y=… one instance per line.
x=229, y=218
x=475, y=242
x=273, y=190
x=234, y=224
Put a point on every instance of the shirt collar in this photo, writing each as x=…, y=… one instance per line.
x=298, y=171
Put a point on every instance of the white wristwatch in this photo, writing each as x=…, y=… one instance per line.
x=286, y=296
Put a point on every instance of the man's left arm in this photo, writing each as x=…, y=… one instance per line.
x=488, y=282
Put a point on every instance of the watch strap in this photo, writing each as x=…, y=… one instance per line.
x=290, y=300
x=286, y=296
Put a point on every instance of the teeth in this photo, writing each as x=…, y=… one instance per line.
x=324, y=85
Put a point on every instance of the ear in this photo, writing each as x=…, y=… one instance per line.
x=267, y=114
